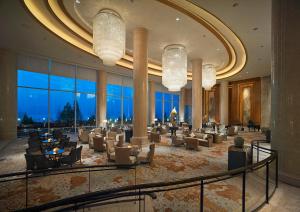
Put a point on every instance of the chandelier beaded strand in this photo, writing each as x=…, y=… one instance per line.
x=208, y=76
x=109, y=36
x=174, y=67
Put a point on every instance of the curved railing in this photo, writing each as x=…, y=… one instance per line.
x=139, y=191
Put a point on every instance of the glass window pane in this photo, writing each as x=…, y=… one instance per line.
x=32, y=79
x=158, y=95
x=167, y=110
x=176, y=106
x=62, y=111
x=115, y=90
x=113, y=111
x=167, y=97
x=85, y=109
x=175, y=97
x=32, y=107
x=85, y=86
x=128, y=91
x=158, y=110
x=127, y=110
x=62, y=83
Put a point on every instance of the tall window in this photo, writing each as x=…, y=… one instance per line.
x=54, y=95
x=119, y=100
x=164, y=104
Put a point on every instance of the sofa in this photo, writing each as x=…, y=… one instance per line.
x=204, y=139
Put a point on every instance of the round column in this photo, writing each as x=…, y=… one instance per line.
x=285, y=75
x=151, y=102
x=8, y=93
x=197, y=93
x=101, y=98
x=140, y=80
x=182, y=104
x=224, y=103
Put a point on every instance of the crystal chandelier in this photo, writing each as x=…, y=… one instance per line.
x=174, y=67
x=109, y=36
x=208, y=76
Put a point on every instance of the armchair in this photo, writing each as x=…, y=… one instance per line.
x=123, y=156
x=147, y=157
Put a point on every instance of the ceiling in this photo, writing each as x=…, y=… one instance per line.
x=23, y=33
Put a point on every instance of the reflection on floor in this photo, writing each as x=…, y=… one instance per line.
x=170, y=163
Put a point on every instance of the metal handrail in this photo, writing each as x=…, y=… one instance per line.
x=150, y=188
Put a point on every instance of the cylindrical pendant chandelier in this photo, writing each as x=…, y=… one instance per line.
x=208, y=76
x=109, y=36
x=174, y=67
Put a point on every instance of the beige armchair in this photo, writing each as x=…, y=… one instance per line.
x=192, y=143
x=155, y=137
x=177, y=140
x=147, y=157
x=112, y=136
x=83, y=136
x=232, y=131
x=110, y=150
x=123, y=156
x=99, y=145
x=220, y=137
x=120, y=141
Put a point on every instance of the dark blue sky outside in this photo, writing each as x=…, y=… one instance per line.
x=35, y=101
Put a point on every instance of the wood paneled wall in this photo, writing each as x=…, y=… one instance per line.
x=236, y=100
x=215, y=92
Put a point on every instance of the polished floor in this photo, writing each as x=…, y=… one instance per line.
x=170, y=163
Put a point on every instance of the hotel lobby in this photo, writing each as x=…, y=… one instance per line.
x=149, y=105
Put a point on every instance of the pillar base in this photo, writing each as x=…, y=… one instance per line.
x=139, y=141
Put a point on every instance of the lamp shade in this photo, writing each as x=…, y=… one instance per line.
x=174, y=67
x=109, y=36
x=208, y=76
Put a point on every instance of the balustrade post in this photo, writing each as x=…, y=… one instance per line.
x=267, y=182
x=201, y=196
x=244, y=192
x=26, y=190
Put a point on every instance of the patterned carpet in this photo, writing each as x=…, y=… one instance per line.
x=169, y=163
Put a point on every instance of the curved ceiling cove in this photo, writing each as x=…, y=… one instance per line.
x=175, y=21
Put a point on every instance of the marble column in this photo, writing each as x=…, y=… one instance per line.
x=224, y=103
x=197, y=93
x=8, y=94
x=101, y=97
x=151, y=102
x=182, y=104
x=140, y=80
x=285, y=88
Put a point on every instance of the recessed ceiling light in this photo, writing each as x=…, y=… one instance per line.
x=218, y=49
x=77, y=1
x=177, y=19
x=247, y=72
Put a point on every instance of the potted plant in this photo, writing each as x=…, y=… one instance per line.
x=239, y=142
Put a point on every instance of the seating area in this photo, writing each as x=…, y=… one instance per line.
x=149, y=105
x=48, y=151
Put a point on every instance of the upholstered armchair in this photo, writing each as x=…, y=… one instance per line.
x=110, y=150
x=232, y=131
x=99, y=145
x=84, y=137
x=147, y=157
x=155, y=137
x=177, y=140
x=192, y=143
x=220, y=137
x=112, y=135
x=120, y=140
x=123, y=156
